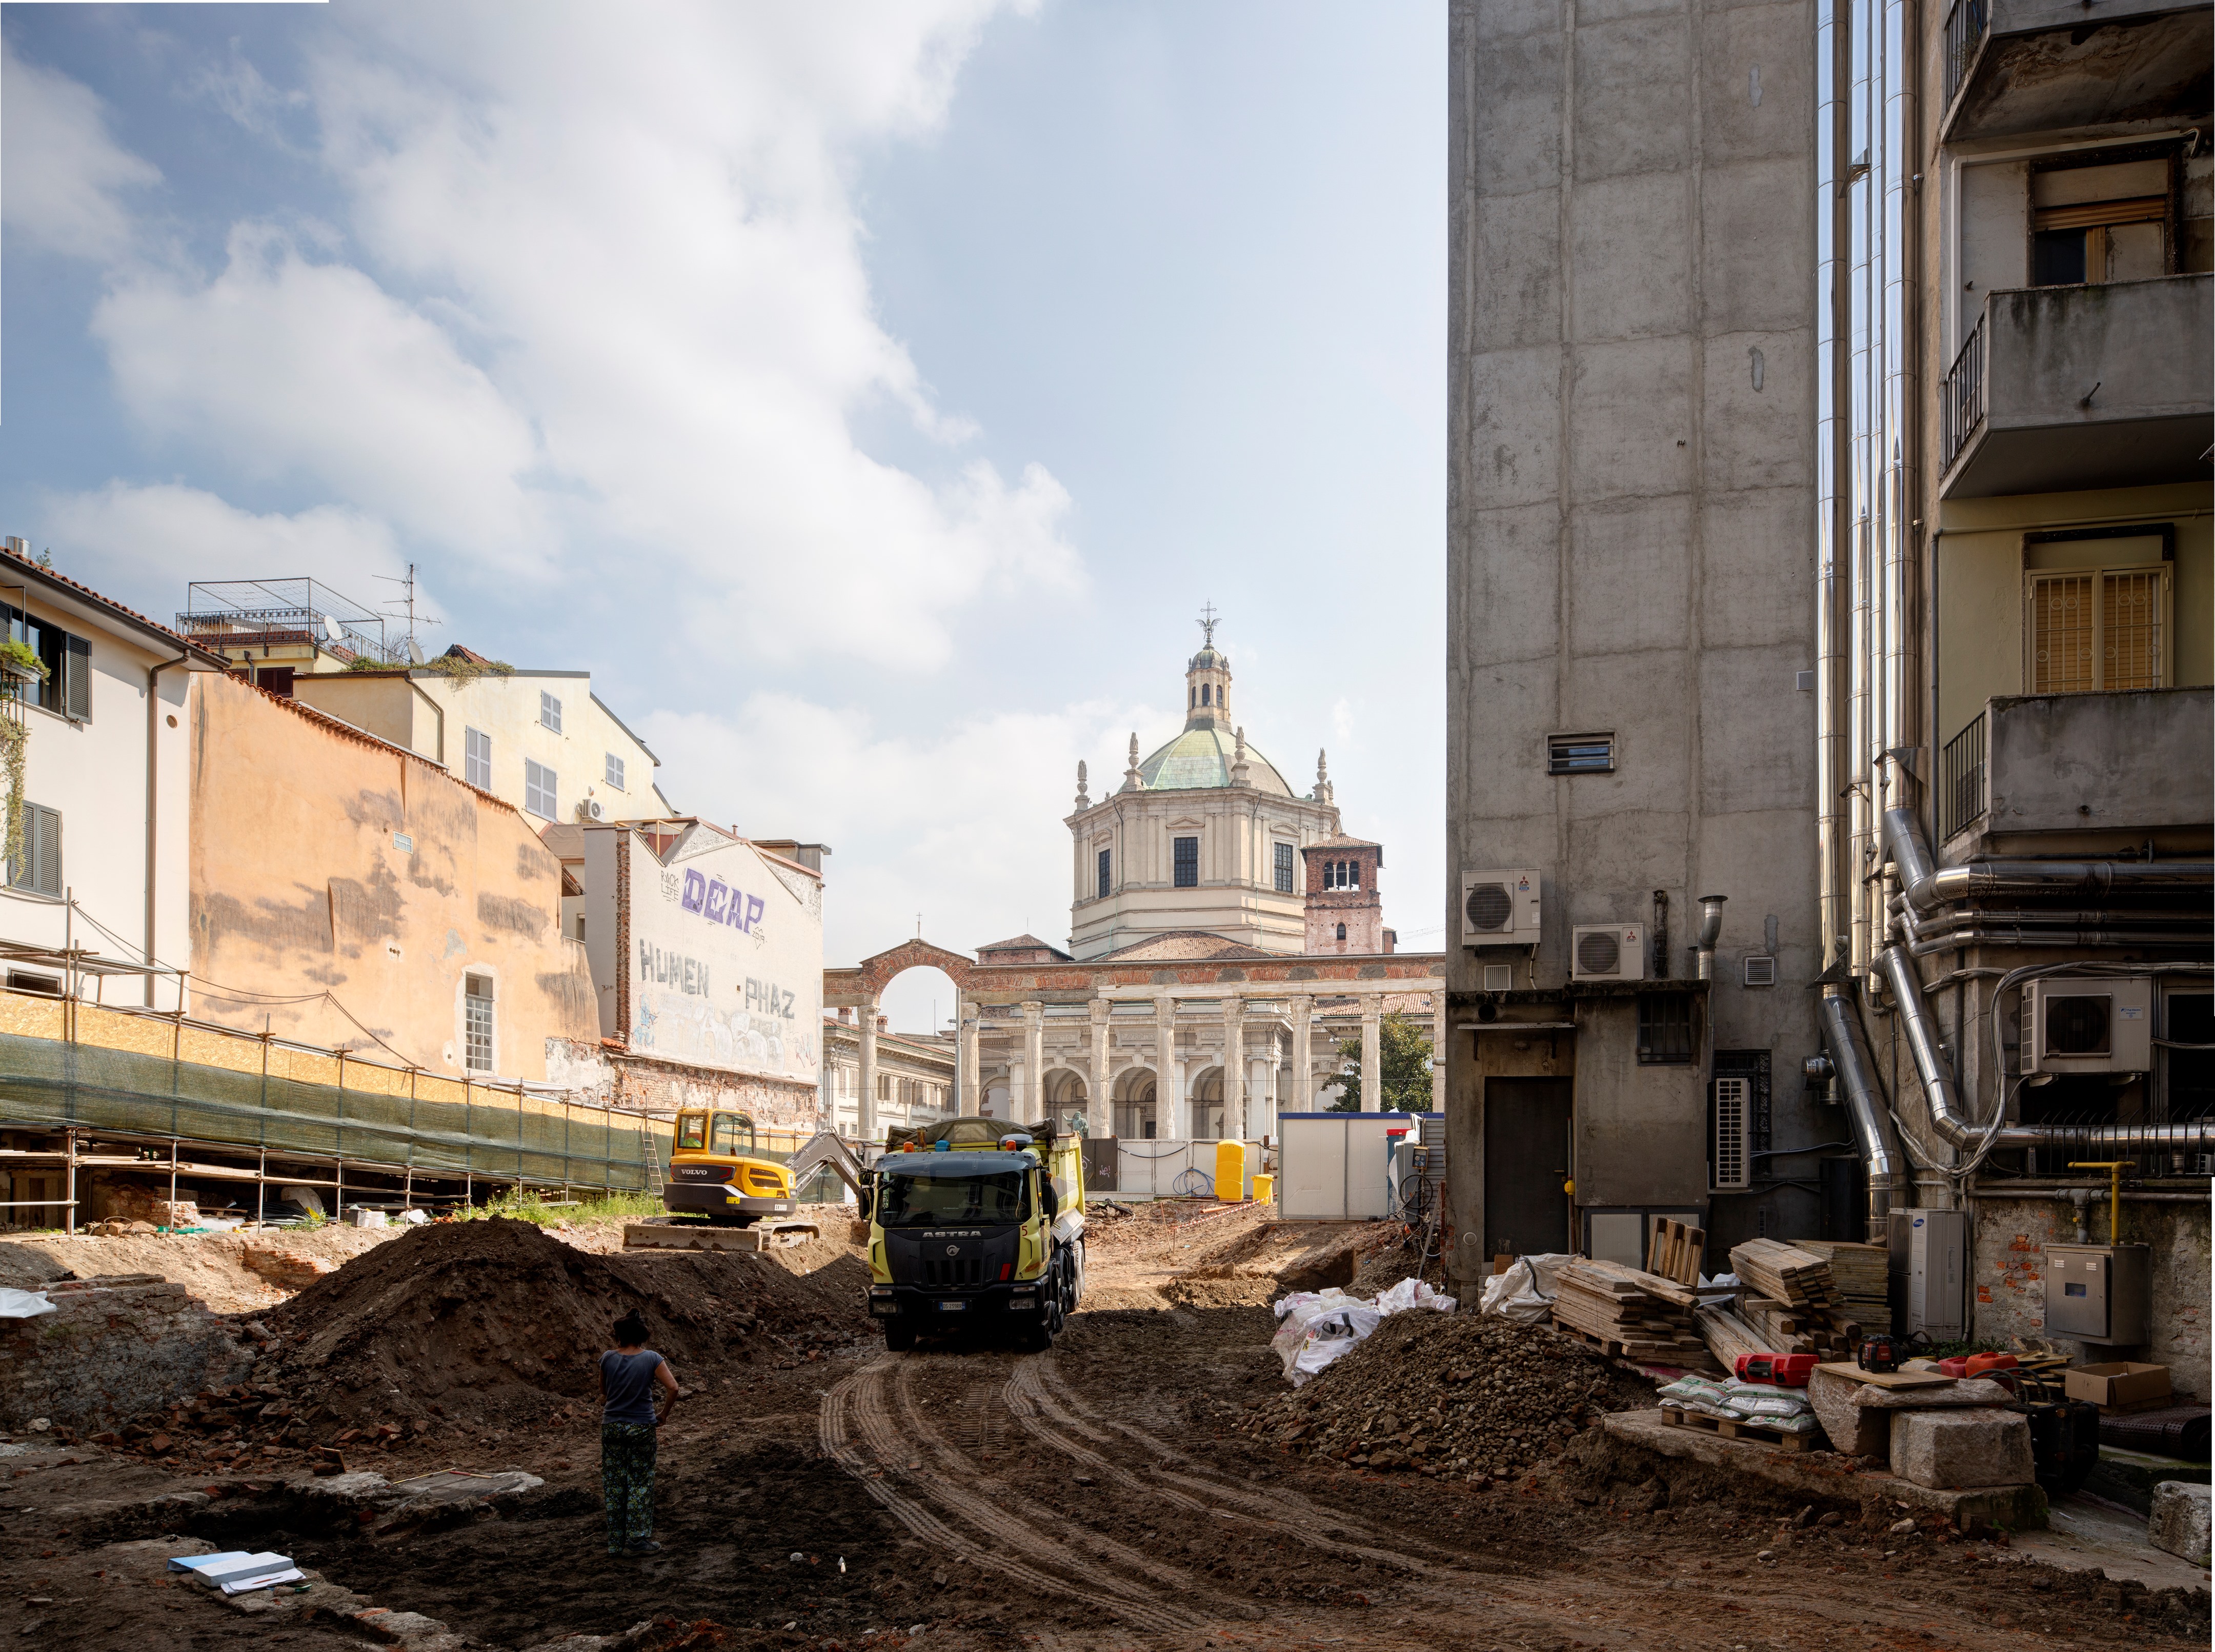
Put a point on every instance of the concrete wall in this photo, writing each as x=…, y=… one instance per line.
x=2112, y=762
x=2007, y=1281
x=1631, y=505
x=325, y=863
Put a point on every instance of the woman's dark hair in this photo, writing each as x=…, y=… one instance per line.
x=630, y=1330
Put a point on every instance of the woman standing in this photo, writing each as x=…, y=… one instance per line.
x=629, y=1374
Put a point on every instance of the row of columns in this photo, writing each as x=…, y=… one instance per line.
x=1235, y=1075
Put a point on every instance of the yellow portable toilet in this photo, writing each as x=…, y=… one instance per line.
x=1230, y=1170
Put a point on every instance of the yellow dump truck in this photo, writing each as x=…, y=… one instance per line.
x=713, y=1172
x=973, y=1221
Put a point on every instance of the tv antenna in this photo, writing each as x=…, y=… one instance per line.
x=408, y=602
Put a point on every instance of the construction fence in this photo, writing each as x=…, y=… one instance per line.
x=68, y=1064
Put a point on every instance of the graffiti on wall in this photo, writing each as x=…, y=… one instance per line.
x=720, y=902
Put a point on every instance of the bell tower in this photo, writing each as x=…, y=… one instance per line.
x=1207, y=679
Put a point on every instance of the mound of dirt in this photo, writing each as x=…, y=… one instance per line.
x=1451, y=1395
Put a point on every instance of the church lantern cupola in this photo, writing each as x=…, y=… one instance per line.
x=1207, y=682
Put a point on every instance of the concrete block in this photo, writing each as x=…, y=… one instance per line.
x=1517, y=117
x=1748, y=436
x=1949, y=1450
x=1514, y=425
x=1757, y=745
x=1629, y=566
x=2179, y=1520
x=1759, y=47
x=1519, y=301
x=1757, y=251
x=1853, y=1430
x=1630, y=244
x=1630, y=405
x=1755, y=550
x=1511, y=604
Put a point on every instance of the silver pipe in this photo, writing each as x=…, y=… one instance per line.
x=2100, y=918
x=1832, y=427
x=2056, y=939
x=1942, y=1099
x=1711, y=927
x=1928, y=887
x=1865, y=1107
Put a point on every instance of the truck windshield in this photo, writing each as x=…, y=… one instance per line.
x=997, y=1200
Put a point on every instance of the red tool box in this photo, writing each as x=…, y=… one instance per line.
x=1785, y=1369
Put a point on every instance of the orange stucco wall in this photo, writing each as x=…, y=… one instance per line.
x=331, y=869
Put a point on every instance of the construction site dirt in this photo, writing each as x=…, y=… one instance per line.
x=1132, y=1488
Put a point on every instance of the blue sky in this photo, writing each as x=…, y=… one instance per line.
x=869, y=396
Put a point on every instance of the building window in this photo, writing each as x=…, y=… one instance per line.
x=1205, y=688
x=549, y=711
x=2190, y=1055
x=1342, y=931
x=1106, y=862
x=1581, y=754
x=538, y=790
x=1187, y=863
x=67, y=688
x=2091, y=224
x=1284, y=868
x=580, y=929
x=1342, y=875
x=614, y=774
x=1664, y=1029
x=2097, y=629
x=477, y=758
x=884, y=1087
x=38, y=863
x=476, y=1022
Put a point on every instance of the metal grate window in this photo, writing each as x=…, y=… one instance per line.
x=2094, y=630
x=2130, y=630
x=539, y=790
x=1581, y=754
x=1664, y=1029
x=614, y=772
x=1728, y=1167
x=477, y=758
x=476, y=1023
x=1284, y=868
x=1107, y=865
x=1186, y=861
x=1752, y=1066
x=549, y=711
x=38, y=864
x=2061, y=635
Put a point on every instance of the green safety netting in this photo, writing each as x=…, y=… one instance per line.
x=51, y=1083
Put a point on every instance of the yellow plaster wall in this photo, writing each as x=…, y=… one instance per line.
x=301, y=888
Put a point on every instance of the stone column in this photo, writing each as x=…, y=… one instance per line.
x=1165, y=1067
x=1234, y=1068
x=868, y=1099
x=971, y=1100
x=1372, y=1053
x=1099, y=1108
x=1033, y=1089
x=1302, y=1056
x=1439, y=1046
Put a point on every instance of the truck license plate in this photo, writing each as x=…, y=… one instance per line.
x=953, y=1307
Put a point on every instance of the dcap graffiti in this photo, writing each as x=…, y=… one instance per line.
x=720, y=903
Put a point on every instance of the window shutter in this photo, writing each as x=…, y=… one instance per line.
x=42, y=843
x=76, y=673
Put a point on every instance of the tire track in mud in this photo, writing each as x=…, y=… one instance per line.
x=858, y=1400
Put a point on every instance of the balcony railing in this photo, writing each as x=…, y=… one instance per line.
x=1961, y=790
x=1966, y=27
x=1963, y=405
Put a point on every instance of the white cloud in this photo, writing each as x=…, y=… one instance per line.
x=604, y=302
x=122, y=536
x=64, y=174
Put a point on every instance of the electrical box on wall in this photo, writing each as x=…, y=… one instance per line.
x=2099, y=1292
x=1500, y=909
x=2090, y=1026
x=1928, y=1253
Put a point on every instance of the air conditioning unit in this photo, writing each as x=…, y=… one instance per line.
x=2089, y=1025
x=589, y=809
x=1607, y=952
x=1731, y=1165
x=1500, y=909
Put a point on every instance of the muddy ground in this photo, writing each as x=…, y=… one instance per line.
x=1104, y=1495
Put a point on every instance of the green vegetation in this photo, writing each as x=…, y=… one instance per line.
x=1404, y=1063
x=18, y=655
x=591, y=1210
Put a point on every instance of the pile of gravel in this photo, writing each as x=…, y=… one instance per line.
x=1456, y=1395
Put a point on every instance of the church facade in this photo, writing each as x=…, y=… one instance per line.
x=1203, y=835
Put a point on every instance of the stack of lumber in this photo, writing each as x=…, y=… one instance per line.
x=1678, y=1248
x=1638, y=1315
x=1728, y=1336
x=1791, y=1301
x=1859, y=1272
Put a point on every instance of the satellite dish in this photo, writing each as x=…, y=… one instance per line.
x=333, y=631
x=415, y=651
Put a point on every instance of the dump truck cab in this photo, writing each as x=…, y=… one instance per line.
x=964, y=1229
x=713, y=1170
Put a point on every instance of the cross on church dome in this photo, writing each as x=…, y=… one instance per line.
x=1208, y=620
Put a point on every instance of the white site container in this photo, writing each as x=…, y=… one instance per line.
x=1334, y=1167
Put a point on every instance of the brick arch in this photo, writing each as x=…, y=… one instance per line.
x=870, y=979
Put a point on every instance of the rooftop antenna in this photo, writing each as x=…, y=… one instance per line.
x=408, y=602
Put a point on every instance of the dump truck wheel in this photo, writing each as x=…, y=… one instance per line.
x=1035, y=1339
x=899, y=1338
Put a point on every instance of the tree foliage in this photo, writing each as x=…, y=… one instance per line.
x=1404, y=1064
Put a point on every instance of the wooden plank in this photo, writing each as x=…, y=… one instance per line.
x=1853, y=1373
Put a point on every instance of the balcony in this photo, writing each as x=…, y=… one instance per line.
x=2071, y=387
x=2015, y=66
x=2135, y=761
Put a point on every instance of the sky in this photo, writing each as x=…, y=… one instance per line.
x=868, y=396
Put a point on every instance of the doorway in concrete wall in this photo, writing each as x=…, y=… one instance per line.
x=1526, y=1163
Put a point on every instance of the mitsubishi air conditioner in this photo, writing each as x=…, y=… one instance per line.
x=1607, y=952
x=588, y=809
x=2089, y=1025
x=1500, y=909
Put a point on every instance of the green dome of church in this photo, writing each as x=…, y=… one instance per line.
x=1200, y=757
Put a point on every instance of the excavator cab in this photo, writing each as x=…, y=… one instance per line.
x=714, y=1171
